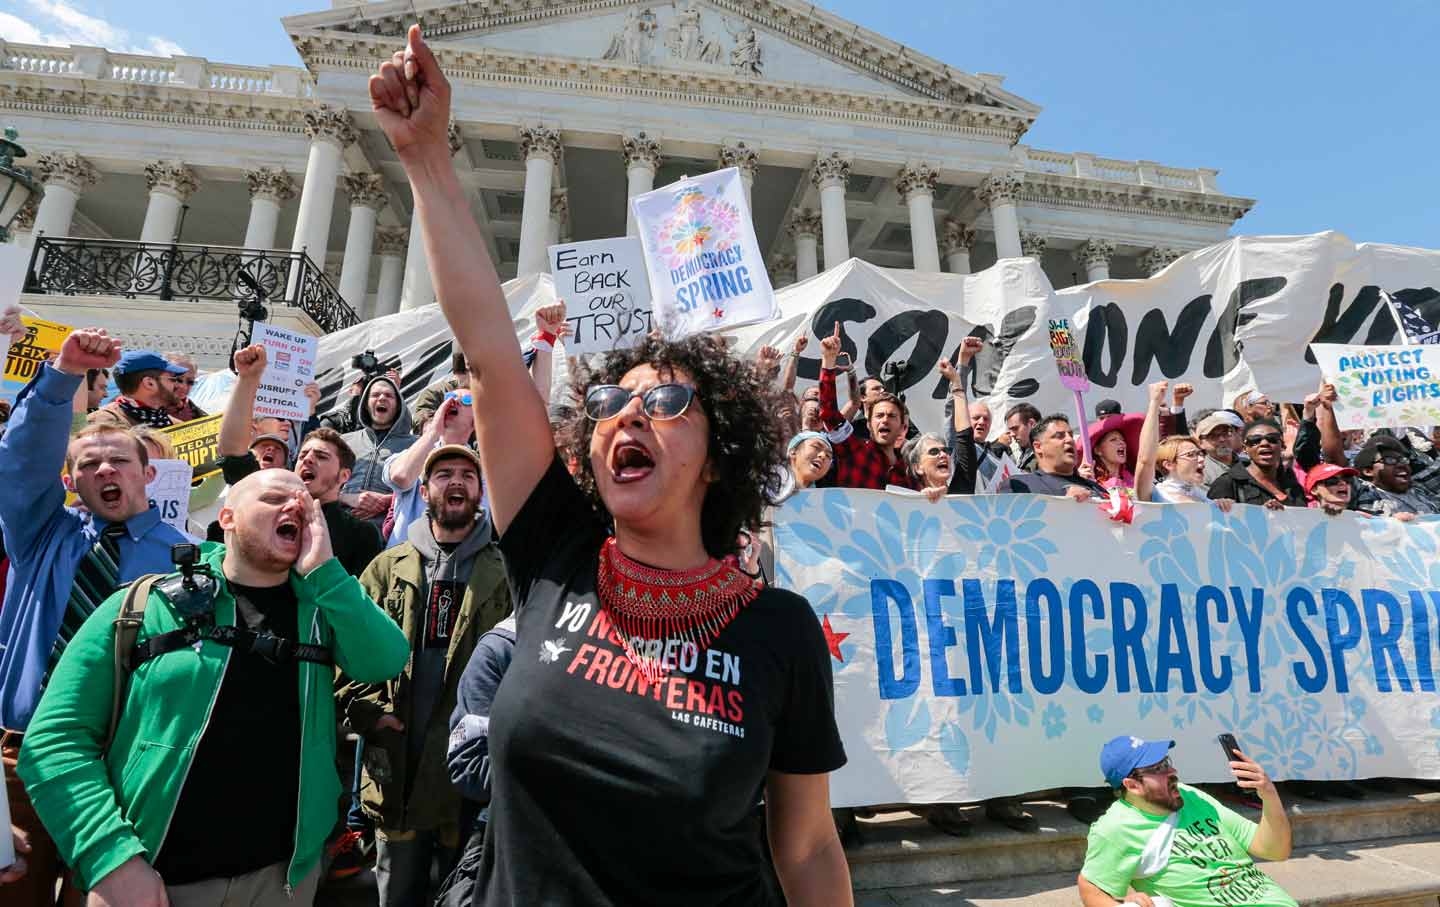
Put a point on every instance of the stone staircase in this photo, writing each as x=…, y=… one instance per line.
x=1383, y=851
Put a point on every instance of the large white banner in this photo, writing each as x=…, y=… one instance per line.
x=1229, y=318
x=980, y=646
x=706, y=268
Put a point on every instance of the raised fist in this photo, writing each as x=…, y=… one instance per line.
x=87, y=349
x=250, y=362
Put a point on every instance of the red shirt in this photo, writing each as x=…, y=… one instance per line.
x=859, y=462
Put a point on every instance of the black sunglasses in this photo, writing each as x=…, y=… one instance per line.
x=935, y=451
x=1334, y=481
x=661, y=402
x=1160, y=768
x=1272, y=438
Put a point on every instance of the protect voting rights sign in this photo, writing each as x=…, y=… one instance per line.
x=1382, y=386
x=289, y=367
x=606, y=292
x=706, y=269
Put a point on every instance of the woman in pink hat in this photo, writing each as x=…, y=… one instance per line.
x=1116, y=441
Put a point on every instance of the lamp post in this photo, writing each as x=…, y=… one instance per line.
x=16, y=185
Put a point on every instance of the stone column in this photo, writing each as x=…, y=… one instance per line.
x=1032, y=245
x=1158, y=259
x=418, y=287
x=1000, y=191
x=782, y=271
x=65, y=176
x=744, y=157
x=959, y=240
x=171, y=184
x=559, y=216
x=916, y=184
x=642, y=160
x=367, y=196
x=805, y=231
x=830, y=176
x=270, y=187
x=330, y=133
x=1095, y=254
x=541, y=147
x=390, y=245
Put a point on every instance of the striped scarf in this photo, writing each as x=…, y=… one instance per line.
x=96, y=579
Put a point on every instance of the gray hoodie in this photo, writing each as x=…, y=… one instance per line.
x=372, y=447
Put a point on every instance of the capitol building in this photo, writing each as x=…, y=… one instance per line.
x=176, y=186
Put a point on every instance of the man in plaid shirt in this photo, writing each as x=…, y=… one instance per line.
x=872, y=462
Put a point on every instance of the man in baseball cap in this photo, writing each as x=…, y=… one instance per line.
x=1167, y=839
x=1219, y=436
x=144, y=399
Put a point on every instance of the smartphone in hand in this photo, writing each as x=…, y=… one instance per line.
x=1230, y=746
x=843, y=362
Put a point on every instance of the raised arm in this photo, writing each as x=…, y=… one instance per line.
x=550, y=326
x=411, y=100
x=235, y=425
x=1149, y=442
x=959, y=433
x=792, y=362
x=1332, y=442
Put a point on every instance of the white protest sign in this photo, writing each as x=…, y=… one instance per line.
x=606, y=292
x=290, y=366
x=706, y=268
x=1382, y=386
x=169, y=492
x=994, y=474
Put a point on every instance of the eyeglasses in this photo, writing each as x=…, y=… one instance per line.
x=935, y=451
x=661, y=402
x=1191, y=454
x=1163, y=767
x=1390, y=459
x=1333, y=481
x=1264, y=439
x=188, y=382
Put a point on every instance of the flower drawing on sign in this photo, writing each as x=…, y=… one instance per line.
x=1053, y=720
x=1095, y=714
x=1007, y=529
x=695, y=226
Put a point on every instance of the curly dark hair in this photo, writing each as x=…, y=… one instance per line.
x=745, y=437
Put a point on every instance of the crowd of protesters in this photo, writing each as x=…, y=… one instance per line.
x=176, y=736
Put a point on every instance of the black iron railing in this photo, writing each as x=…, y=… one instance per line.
x=181, y=271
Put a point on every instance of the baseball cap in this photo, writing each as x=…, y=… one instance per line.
x=1107, y=408
x=449, y=450
x=1124, y=754
x=1216, y=419
x=144, y=361
x=270, y=436
x=1326, y=471
x=804, y=436
x=1375, y=447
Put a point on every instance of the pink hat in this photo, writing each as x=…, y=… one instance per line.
x=1325, y=471
x=1128, y=424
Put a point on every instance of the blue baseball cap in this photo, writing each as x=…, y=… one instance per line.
x=144, y=361
x=1123, y=755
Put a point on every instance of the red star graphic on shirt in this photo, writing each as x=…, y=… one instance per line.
x=718, y=313
x=833, y=639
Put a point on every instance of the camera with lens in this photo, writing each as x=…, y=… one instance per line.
x=892, y=373
x=192, y=592
x=368, y=363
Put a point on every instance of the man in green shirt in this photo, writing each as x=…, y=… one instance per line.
x=1168, y=840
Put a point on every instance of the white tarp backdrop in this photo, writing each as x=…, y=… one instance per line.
x=979, y=651
x=1227, y=318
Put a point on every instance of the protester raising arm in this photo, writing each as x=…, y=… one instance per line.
x=411, y=101
x=792, y=363
x=959, y=432
x=235, y=425
x=1149, y=442
x=550, y=326
x=449, y=425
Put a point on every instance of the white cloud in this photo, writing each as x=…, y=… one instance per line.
x=60, y=22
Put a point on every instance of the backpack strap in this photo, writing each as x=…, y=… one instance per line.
x=127, y=630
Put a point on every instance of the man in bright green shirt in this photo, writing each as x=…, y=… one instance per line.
x=1169, y=840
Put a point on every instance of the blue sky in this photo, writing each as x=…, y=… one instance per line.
x=1324, y=111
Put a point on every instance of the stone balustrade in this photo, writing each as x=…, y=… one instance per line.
x=1134, y=173
x=178, y=71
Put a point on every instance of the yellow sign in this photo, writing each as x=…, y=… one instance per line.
x=197, y=442
x=42, y=341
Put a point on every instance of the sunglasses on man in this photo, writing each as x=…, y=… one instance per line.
x=1163, y=767
x=1272, y=438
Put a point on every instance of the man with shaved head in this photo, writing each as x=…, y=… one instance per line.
x=227, y=713
x=64, y=561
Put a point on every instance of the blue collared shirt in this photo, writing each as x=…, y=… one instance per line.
x=47, y=540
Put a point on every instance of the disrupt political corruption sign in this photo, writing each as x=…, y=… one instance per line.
x=197, y=442
x=706, y=269
x=1382, y=386
x=606, y=292
x=289, y=366
x=980, y=648
x=1232, y=317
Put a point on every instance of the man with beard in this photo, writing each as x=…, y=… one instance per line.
x=146, y=396
x=1387, y=488
x=444, y=587
x=1017, y=441
x=216, y=785
x=64, y=561
x=184, y=409
x=324, y=464
x=1168, y=839
x=385, y=431
x=1055, y=462
x=868, y=462
x=1219, y=434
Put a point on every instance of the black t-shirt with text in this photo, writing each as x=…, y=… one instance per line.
x=237, y=807
x=609, y=790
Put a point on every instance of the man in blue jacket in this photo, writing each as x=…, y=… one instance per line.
x=64, y=561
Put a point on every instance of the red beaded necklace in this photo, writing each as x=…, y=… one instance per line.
x=651, y=608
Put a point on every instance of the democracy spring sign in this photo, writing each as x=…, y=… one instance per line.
x=989, y=645
x=1382, y=386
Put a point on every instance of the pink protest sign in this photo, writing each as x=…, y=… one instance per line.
x=1067, y=358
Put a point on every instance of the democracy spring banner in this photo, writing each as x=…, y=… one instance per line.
x=989, y=645
x=1228, y=318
